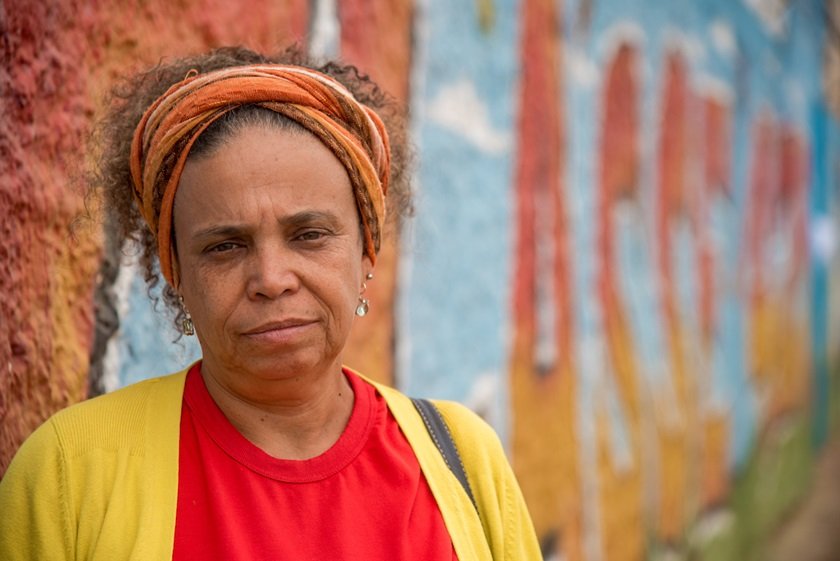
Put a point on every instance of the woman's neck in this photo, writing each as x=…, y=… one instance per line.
x=293, y=419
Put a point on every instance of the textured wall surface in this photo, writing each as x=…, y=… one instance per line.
x=58, y=59
x=624, y=254
x=46, y=270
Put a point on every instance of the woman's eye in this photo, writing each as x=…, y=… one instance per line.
x=310, y=235
x=222, y=247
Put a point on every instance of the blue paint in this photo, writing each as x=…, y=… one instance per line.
x=454, y=324
x=820, y=277
x=147, y=344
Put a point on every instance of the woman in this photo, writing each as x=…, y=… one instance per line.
x=259, y=188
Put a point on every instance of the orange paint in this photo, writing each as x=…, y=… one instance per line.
x=376, y=36
x=716, y=183
x=544, y=447
x=620, y=491
x=777, y=264
x=714, y=438
x=674, y=211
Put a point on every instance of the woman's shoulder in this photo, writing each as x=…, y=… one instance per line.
x=459, y=415
x=468, y=429
x=476, y=440
x=114, y=419
x=96, y=454
x=474, y=436
x=127, y=401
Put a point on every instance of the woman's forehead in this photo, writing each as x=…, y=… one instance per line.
x=261, y=170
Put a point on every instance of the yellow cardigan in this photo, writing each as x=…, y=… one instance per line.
x=99, y=481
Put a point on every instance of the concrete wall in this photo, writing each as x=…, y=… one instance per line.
x=624, y=254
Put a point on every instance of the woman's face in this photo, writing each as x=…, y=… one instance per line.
x=269, y=254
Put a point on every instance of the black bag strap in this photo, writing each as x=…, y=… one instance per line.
x=439, y=431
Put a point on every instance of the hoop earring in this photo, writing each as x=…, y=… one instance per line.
x=187, y=325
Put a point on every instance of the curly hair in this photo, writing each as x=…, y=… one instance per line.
x=110, y=183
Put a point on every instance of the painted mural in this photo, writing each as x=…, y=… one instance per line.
x=624, y=254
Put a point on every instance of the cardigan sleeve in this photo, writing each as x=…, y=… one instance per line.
x=34, y=521
x=504, y=515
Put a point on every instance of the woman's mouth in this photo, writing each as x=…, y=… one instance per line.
x=279, y=332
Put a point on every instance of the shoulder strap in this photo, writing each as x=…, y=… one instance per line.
x=442, y=438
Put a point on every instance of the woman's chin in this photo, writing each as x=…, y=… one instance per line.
x=282, y=362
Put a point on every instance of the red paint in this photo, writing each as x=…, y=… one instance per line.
x=618, y=172
x=763, y=193
x=778, y=198
x=539, y=173
x=61, y=57
x=795, y=177
x=673, y=159
x=716, y=183
x=45, y=276
x=376, y=36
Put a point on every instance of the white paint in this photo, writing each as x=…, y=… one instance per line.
x=621, y=33
x=403, y=348
x=711, y=87
x=710, y=526
x=797, y=100
x=771, y=13
x=325, y=33
x=670, y=553
x=483, y=397
x=691, y=47
x=457, y=107
x=623, y=459
x=723, y=38
x=823, y=238
x=112, y=361
x=613, y=39
x=582, y=70
x=546, y=351
x=695, y=48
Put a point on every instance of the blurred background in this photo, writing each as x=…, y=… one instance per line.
x=624, y=254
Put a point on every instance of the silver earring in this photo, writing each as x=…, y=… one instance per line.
x=363, y=307
x=187, y=323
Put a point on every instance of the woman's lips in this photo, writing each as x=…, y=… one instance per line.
x=279, y=331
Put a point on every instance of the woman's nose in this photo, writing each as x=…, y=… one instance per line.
x=271, y=273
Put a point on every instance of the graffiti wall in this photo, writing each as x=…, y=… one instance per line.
x=624, y=254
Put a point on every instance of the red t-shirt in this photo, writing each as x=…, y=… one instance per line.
x=363, y=499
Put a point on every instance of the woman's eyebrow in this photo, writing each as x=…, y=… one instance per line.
x=298, y=219
x=309, y=217
x=219, y=231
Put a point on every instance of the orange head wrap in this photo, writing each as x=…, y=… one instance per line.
x=170, y=126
